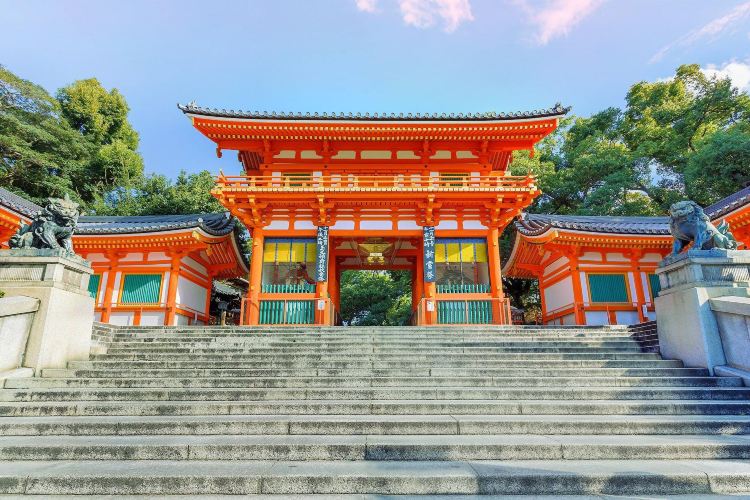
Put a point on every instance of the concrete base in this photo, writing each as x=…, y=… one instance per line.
x=61, y=330
x=16, y=319
x=687, y=328
x=14, y=374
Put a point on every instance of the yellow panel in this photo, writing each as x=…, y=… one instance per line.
x=467, y=252
x=481, y=252
x=282, y=252
x=298, y=252
x=310, y=249
x=454, y=252
x=269, y=252
x=439, y=252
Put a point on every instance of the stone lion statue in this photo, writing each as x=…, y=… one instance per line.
x=52, y=227
x=689, y=223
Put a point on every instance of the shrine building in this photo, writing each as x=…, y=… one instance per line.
x=599, y=270
x=148, y=270
x=324, y=193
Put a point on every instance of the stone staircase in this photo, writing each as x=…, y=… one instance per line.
x=398, y=411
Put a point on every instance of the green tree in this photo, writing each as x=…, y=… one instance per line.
x=79, y=143
x=375, y=298
x=157, y=195
x=40, y=154
x=720, y=166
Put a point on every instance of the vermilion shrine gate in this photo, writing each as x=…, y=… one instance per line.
x=325, y=193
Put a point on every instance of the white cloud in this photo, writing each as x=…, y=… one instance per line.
x=737, y=72
x=367, y=5
x=556, y=18
x=426, y=13
x=711, y=30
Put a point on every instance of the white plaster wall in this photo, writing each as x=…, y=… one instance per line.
x=408, y=224
x=386, y=225
x=180, y=320
x=447, y=224
x=116, y=288
x=616, y=257
x=569, y=319
x=345, y=225
x=584, y=286
x=474, y=224
x=191, y=295
x=558, y=295
x=102, y=288
x=194, y=265
x=644, y=285
x=97, y=257
x=121, y=318
x=631, y=284
x=627, y=317
x=164, y=287
x=132, y=257
x=595, y=256
x=304, y=224
x=597, y=318
x=651, y=257
x=152, y=318
x=157, y=256
x=278, y=224
x=554, y=266
x=97, y=316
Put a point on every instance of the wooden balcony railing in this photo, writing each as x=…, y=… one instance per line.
x=379, y=183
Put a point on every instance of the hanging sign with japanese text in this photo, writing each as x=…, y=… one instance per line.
x=428, y=244
x=321, y=268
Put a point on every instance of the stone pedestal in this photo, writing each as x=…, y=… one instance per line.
x=61, y=329
x=687, y=327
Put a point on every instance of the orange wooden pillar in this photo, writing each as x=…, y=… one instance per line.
x=109, y=288
x=640, y=297
x=171, y=298
x=252, y=308
x=575, y=278
x=496, y=277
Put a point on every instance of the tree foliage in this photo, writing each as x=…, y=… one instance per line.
x=79, y=142
x=375, y=298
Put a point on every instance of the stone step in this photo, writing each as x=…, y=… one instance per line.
x=549, y=477
x=384, y=407
x=372, y=372
x=410, y=357
x=390, y=393
x=378, y=425
x=344, y=364
x=397, y=342
x=361, y=350
x=375, y=447
x=137, y=381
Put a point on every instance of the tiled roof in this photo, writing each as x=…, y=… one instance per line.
x=536, y=224
x=18, y=204
x=191, y=108
x=728, y=204
x=217, y=224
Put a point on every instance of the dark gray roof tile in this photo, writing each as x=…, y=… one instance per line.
x=536, y=224
x=191, y=108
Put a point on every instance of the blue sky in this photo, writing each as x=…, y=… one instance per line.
x=362, y=55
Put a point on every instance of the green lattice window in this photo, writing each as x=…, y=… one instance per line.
x=608, y=288
x=464, y=312
x=653, y=281
x=141, y=289
x=94, y=281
